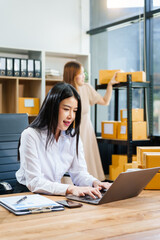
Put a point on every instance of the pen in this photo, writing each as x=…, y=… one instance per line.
x=21, y=199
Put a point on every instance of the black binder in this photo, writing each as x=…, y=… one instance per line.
x=16, y=67
x=9, y=66
x=2, y=66
x=37, y=68
x=23, y=66
x=30, y=68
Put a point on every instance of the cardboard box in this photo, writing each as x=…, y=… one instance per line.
x=119, y=163
x=119, y=160
x=29, y=105
x=114, y=172
x=139, y=76
x=137, y=115
x=109, y=129
x=140, y=151
x=106, y=75
x=134, y=164
x=151, y=159
x=154, y=183
x=139, y=131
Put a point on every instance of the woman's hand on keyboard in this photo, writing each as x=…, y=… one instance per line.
x=82, y=191
x=101, y=185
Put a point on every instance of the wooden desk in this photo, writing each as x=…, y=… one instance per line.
x=136, y=218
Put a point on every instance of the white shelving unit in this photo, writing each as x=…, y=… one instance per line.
x=11, y=88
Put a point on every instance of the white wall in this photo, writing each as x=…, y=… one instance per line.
x=51, y=25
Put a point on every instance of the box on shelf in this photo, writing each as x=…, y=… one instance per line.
x=106, y=75
x=119, y=160
x=29, y=105
x=137, y=115
x=154, y=183
x=139, y=76
x=119, y=164
x=139, y=131
x=151, y=159
x=109, y=129
x=134, y=164
x=140, y=151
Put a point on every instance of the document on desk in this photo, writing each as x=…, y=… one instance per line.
x=29, y=204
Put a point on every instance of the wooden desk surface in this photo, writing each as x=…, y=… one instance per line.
x=135, y=218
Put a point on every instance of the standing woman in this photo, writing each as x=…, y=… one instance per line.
x=74, y=74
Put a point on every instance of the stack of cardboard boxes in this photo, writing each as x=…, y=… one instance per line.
x=118, y=129
x=120, y=164
x=147, y=157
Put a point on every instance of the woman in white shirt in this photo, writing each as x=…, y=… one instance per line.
x=51, y=146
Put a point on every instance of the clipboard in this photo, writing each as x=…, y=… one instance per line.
x=32, y=204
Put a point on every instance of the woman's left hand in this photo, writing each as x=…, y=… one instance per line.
x=101, y=185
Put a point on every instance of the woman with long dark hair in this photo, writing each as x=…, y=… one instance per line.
x=51, y=146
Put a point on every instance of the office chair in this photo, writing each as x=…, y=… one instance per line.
x=11, y=127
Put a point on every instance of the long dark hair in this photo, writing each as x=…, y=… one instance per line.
x=48, y=114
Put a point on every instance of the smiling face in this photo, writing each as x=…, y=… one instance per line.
x=67, y=113
x=79, y=78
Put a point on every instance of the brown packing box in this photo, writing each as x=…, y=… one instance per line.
x=151, y=159
x=29, y=105
x=109, y=129
x=119, y=160
x=106, y=75
x=139, y=76
x=139, y=131
x=134, y=164
x=114, y=172
x=154, y=183
x=140, y=151
x=119, y=164
x=137, y=115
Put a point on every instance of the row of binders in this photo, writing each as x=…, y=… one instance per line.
x=20, y=67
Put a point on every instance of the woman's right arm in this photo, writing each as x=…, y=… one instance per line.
x=32, y=168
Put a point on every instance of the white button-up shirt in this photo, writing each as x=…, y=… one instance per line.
x=41, y=169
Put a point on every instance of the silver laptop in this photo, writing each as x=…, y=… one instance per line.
x=127, y=185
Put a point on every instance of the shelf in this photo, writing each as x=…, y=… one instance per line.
x=128, y=86
x=20, y=78
x=122, y=142
x=125, y=84
x=13, y=87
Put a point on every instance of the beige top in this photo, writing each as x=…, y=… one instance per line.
x=90, y=97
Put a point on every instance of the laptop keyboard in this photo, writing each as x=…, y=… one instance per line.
x=96, y=200
x=87, y=198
